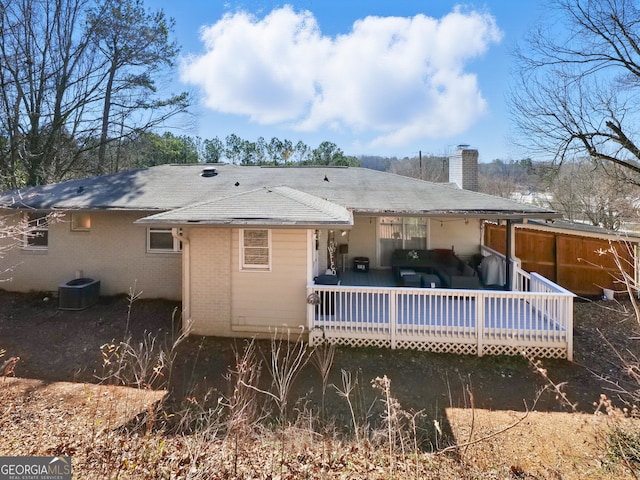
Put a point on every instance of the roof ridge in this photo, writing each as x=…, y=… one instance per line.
x=284, y=206
x=304, y=198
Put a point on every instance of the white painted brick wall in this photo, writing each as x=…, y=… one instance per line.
x=463, y=169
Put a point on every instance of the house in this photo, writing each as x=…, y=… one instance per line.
x=240, y=246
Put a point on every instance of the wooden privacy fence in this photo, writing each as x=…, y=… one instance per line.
x=477, y=322
x=574, y=262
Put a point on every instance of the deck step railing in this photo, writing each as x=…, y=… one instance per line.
x=480, y=322
x=520, y=278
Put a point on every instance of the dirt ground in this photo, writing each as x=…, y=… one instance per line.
x=57, y=347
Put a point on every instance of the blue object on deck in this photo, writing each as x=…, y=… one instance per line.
x=327, y=299
x=326, y=280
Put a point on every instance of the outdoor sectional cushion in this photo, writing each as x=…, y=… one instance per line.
x=431, y=280
x=444, y=263
x=421, y=260
x=412, y=280
x=462, y=276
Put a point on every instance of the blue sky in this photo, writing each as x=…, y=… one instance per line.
x=386, y=78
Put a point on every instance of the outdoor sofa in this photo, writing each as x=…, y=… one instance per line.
x=444, y=264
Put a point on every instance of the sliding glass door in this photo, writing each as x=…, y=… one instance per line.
x=400, y=233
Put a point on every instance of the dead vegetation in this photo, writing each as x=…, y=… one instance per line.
x=281, y=410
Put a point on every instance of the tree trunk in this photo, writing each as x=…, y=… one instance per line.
x=104, y=132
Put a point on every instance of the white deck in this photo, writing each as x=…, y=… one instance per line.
x=537, y=322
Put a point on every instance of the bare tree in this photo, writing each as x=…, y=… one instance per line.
x=429, y=167
x=44, y=64
x=134, y=45
x=577, y=85
x=585, y=193
x=21, y=229
x=503, y=179
x=72, y=78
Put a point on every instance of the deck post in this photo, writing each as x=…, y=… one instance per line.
x=568, y=302
x=480, y=323
x=509, y=256
x=393, y=318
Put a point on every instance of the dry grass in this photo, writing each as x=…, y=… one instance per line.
x=107, y=432
x=259, y=425
x=544, y=445
x=99, y=427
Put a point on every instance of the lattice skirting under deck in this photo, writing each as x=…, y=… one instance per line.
x=529, y=351
x=438, y=347
x=350, y=342
x=318, y=337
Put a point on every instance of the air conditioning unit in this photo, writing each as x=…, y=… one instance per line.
x=78, y=294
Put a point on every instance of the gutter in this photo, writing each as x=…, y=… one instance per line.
x=186, y=279
x=482, y=214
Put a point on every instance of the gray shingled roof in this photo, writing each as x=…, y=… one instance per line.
x=263, y=206
x=360, y=190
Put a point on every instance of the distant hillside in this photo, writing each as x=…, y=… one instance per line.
x=497, y=177
x=377, y=163
x=430, y=167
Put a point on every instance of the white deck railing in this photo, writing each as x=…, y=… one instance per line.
x=521, y=280
x=537, y=322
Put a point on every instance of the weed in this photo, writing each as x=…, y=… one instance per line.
x=286, y=360
x=322, y=359
x=7, y=368
x=348, y=386
x=400, y=426
x=557, y=388
x=147, y=364
x=623, y=445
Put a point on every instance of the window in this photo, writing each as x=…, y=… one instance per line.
x=80, y=222
x=37, y=234
x=255, y=248
x=401, y=233
x=161, y=240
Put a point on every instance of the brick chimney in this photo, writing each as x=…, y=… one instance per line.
x=463, y=168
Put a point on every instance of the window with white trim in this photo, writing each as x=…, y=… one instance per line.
x=37, y=235
x=161, y=240
x=255, y=249
x=80, y=222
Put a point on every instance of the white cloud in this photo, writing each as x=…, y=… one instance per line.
x=401, y=78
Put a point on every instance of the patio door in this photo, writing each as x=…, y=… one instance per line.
x=400, y=233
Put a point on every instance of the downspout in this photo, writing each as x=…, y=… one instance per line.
x=311, y=247
x=186, y=277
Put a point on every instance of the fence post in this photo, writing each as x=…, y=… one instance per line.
x=393, y=317
x=480, y=323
